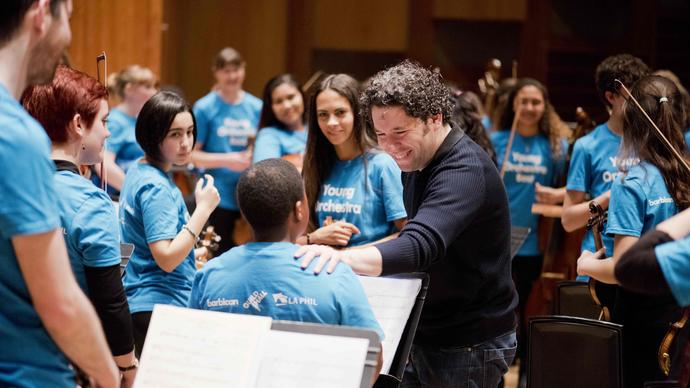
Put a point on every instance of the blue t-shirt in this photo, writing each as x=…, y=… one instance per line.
x=639, y=201
x=28, y=355
x=272, y=142
x=223, y=127
x=530, y=162
x=593, y=168
x=687, y=138
x=152, y=209
x=265, y=279
x=371, y=202
x=123, y=140
x=674, y=260
x=89, y=223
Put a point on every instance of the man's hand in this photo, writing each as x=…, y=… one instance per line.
x=325, y=254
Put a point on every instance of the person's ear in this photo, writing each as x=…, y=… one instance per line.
x=298, y=211
x=40, y=16
x=610, y=97
x=76, y=127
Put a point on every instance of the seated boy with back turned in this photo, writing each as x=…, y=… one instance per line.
x=262, y=277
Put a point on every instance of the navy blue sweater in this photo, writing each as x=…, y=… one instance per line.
x=459, y=232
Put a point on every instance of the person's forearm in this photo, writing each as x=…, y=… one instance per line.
x=677, y=226
x=170, y=253
x=63, y=308
x=601, y=270
x=230, y=160
x=575, y=216
x=365, y=261
x=638, y=269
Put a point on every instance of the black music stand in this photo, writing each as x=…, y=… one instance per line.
x=126, y=251
x=518, y=235
x=373, y=352
x=397, y=369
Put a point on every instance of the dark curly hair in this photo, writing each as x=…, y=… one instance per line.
x=641, y=140
x=419, y=91
x=624, y=67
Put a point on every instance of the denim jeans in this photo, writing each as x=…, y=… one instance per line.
x=481, y=365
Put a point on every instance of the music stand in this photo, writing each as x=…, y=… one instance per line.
x=126, y=251
x=373, y=351
x=518, y=235
x=397, y=369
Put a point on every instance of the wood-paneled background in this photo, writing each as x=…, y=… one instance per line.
x=556, y=41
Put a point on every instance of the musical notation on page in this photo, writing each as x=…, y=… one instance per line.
x=392, y=300
x=186, y=348
x=308, y=360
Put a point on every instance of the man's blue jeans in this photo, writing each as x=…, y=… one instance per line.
x=481, y=365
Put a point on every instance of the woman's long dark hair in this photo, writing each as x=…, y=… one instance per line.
x=466, y=115
x=548, y=125
x=663, y=103
x=320, y=155
x=268, y=117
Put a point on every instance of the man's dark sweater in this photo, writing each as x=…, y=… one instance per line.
x=459, y=232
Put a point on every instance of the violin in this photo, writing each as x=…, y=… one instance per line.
x=489, y=84
x=602, y=294
x=209, y=240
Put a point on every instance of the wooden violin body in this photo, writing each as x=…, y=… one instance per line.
x=603, y=294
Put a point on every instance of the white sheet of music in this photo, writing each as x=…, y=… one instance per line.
x=392, y=300
x=311, y=360
x=194, y=348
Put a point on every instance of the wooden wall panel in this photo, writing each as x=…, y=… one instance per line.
x=128, y=30
x=515, y=10
x=197, y=30
x=361, y=25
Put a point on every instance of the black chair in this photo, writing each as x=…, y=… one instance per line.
x=397, y=370
x=573, y=299
x=574, y=352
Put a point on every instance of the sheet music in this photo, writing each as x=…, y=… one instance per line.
x=296, y=360
x=392, y=300
x=194, y=348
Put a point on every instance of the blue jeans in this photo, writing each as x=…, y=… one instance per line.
x=481, y=365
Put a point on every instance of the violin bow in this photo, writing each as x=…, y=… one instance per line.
x=658, y=131
x=509, y=147
x=102, y=58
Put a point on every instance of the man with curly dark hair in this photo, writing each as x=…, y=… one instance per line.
x=458, y=231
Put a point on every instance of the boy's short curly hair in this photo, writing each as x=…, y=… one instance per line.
x=624, y=67
x=419, y=91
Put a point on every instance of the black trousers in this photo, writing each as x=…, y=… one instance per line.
x=223, y=221
x=140, y=326
x=526, y=269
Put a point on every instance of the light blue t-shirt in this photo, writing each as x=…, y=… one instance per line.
x=90, y=225
x=265, y=279
x=530, y=162
x=593, y=168
x=639, y=201
x=223, y=127
x=28, y=355
x=371, y=202
x=272, y=142
x=152, y=209
x=687, y=138
x=674, y=260
x=123, y=140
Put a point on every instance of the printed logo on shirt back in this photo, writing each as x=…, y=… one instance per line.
x=254, y=300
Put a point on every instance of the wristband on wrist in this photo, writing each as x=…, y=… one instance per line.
x=129, y=368
x=308, y=239
x=189, y=230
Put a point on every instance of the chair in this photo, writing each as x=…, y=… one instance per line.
x=573, y=299
x=397, y=370
x=574, y=352
x=662, y=384
x=341, y=331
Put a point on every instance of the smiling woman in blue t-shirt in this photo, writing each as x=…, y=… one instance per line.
x=282, y=133
x=534, y=160
x=354, y=190
x=650, y=192
x=153, y=214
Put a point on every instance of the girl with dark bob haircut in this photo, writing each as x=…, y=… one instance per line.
x=282, y=131
x=353, y=189
x=153, y=214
